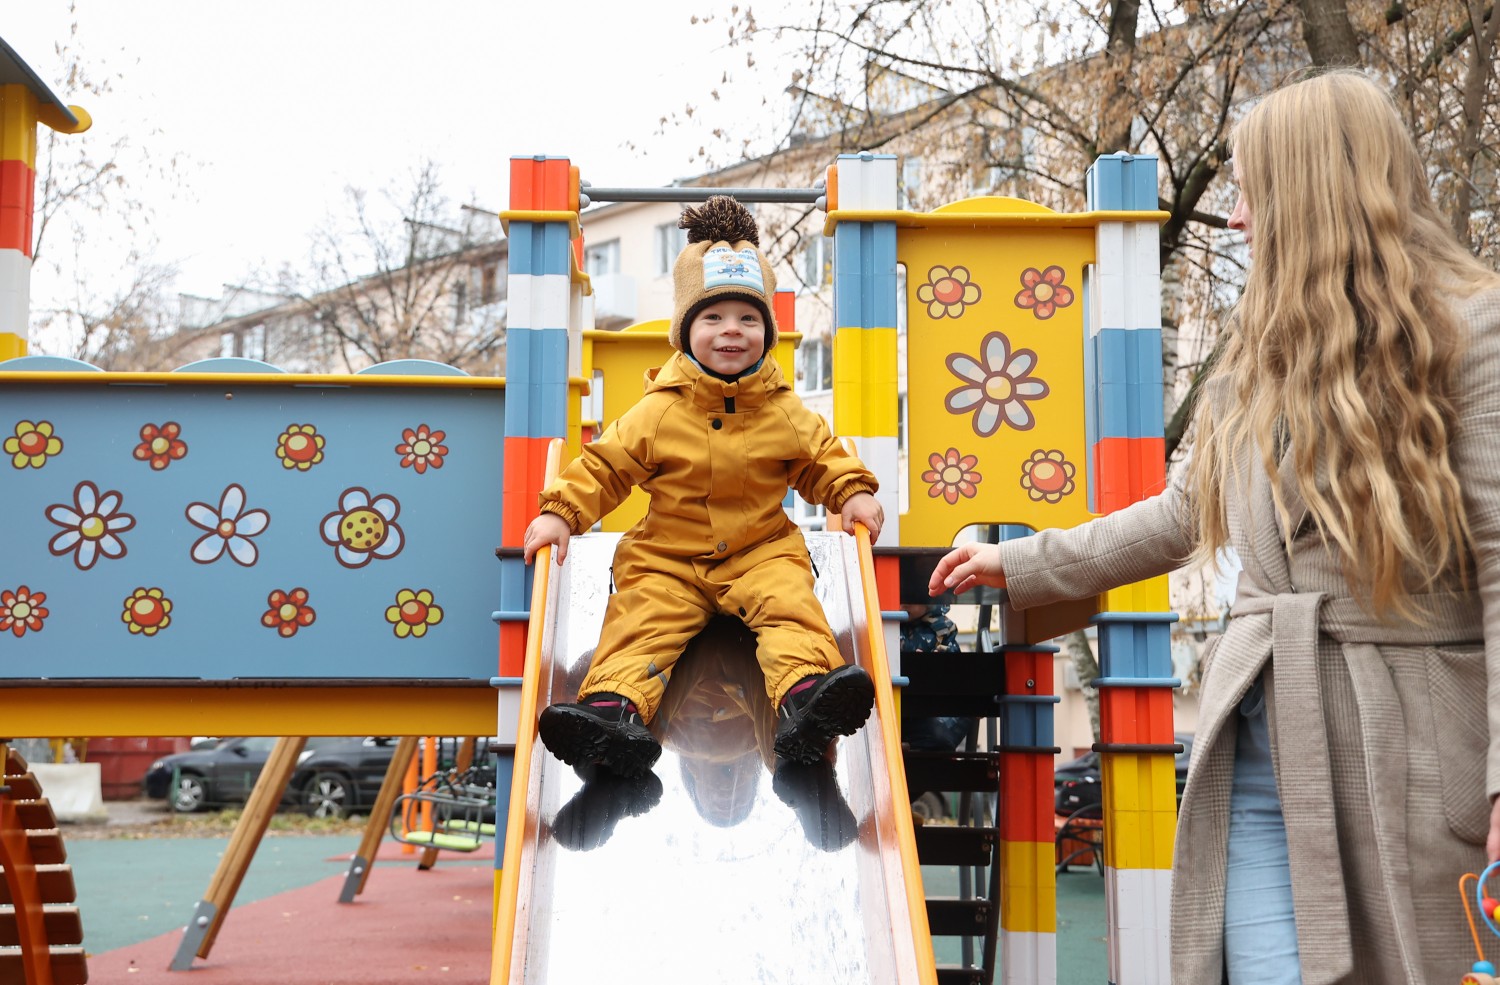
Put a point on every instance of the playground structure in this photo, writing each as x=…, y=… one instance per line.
x=228, y=548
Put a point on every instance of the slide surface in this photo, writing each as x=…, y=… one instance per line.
x=718, y=867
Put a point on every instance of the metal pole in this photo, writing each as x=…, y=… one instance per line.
x=810, y=196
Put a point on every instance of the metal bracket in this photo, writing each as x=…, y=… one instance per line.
x=352, y=879
x=192, y=935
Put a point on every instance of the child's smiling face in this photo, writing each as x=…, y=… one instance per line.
x=728, y=337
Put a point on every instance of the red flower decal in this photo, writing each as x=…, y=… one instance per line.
x=288, y=612
x=1043, y=291
x=161, y=446
x=22, y=610
x=952, y=475
x=422, y=448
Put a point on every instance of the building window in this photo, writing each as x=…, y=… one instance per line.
x=602, y=258
x=670, y=241
x=817, y=260
x=911, y=182
x=814, y=366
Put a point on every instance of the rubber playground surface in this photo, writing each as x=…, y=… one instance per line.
x=288, y=928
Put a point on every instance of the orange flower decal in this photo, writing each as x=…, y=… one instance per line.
x=299, y=447
x=1043, y=291
x=288, y=612
x=421, y=449
x=947, y=292
x=951, y=476
x=32, y=444
x=1047, y=476
x=161, y=446
x=147, y=612
x=413, y=613
x=22, y=610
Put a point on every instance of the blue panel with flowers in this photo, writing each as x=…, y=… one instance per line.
x=237, y=530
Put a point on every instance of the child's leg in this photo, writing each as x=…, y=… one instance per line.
x=775, y=599
x=655, y=612
x=816, y=696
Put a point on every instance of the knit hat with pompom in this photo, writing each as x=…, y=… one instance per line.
x=722, y=262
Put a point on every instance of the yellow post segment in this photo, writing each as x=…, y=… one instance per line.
x=1142, y=596
x=1140, y=809
x=1028, y=901
x=12, y=346
x=864, y=381
x=18, y=121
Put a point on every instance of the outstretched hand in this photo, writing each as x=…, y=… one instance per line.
x=547, y=529
x=964, y=567
x=863, y=508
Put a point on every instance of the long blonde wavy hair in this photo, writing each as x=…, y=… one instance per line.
x=1344, y=343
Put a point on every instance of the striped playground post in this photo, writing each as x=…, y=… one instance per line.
x=1123, y=380
x=543, y=349
x=22, y=106
x=865, y=381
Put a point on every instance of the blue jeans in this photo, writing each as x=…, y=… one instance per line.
x=1260, y=935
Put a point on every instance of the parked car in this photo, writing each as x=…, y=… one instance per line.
x=335, y=775
x=1085, y=770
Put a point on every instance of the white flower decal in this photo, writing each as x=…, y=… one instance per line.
x=363, y=528
x=230, y=528
x=996, y=387
x=90, y=527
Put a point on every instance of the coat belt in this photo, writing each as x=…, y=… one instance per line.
x=1305, y=777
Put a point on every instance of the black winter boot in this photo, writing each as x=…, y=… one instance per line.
x=820, y=707
x=602, y=730
x=589, y=818
x=812, y=792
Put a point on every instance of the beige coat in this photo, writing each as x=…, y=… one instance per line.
x=1386, y=738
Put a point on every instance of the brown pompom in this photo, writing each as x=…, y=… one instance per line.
x=719, y=218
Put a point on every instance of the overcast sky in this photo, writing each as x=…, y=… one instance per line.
x=272, y=108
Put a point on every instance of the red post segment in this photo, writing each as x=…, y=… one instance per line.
x=547, y=184
x=1135, y=715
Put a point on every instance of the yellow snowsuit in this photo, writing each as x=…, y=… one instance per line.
x=717, y=459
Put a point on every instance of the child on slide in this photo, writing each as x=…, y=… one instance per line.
x=716, y=441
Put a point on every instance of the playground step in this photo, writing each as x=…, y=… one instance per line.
x=22, y=786
x=46, y=846
x=947, y=844
x=54, y=882
x=61, y=924
x=968, y=683
x=69, y=966
x=948, y=917
x=36, y=813
x=950, y=974
x=975, y=772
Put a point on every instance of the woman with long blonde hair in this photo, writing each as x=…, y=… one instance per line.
x=1347, y=448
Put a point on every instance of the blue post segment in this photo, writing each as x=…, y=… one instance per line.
x=505, y=768
x=1135, y=644
x=515, y=585
x=539, y=248
x=864, y=285
x=1026, y=720
x=537, y=383
x=1123, y=182
x=1126, y=384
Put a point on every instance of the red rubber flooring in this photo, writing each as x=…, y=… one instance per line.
x=407, y=926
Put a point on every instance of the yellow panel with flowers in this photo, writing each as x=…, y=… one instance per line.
x=995, y=392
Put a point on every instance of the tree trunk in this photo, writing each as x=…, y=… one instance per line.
x=1117, y=110
x=1081, y=653
x=1327, y=32
x=1476, y=82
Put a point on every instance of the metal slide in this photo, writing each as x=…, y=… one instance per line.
x=715, y=868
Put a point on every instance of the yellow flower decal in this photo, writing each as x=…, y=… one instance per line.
x=32, y=444
x=1047, y=475
x=413, y=613
x=147, y=612
x=947, y=292
x=299, y=447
